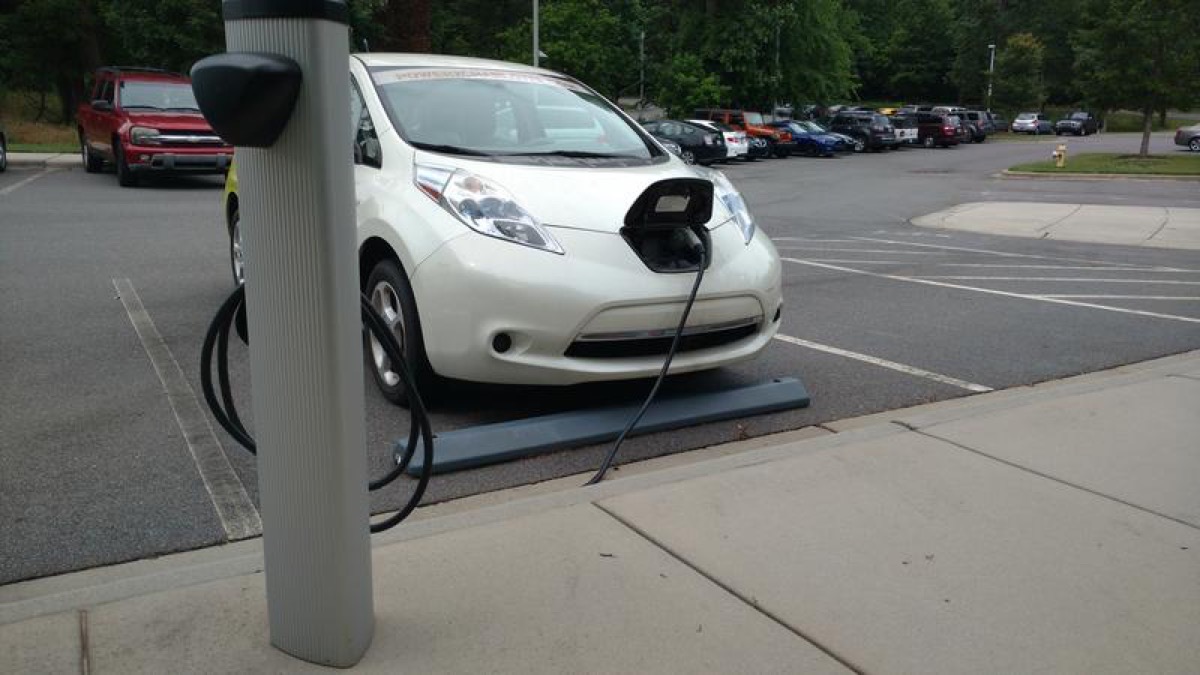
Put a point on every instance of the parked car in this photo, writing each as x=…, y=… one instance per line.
x=873, y=129
x=999, y=122
x=753, y=124
x=905, y=125
x=146, y=121
x=1188, y=136
x=1032, y=123
x=1080, y=123
x=937, y=130
x=978, y=124
x=759, y=148
x=3, y=148
x=697, y=144
x=500, y=254
x=964, y=129
x=737, y=143
x=810, y=143
x=847, y=143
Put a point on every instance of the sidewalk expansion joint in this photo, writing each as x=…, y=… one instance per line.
x=85, y=648
x=748, y=601
x=1058, y=480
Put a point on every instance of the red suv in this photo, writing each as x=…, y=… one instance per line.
x=146, y=121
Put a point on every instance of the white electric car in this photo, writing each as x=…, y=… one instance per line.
x=492, y=199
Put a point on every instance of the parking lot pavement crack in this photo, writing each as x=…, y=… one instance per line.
x=1056, y=479
x=1045, y=229
x=1161, y=226
x=750, y=602
x=85, y=648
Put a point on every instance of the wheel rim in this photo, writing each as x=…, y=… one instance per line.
x=386, y=301
x=1195, y=145
x=83, y=150
x=236, y=256
x=688, y=157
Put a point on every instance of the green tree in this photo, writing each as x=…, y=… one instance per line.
x=1019, y=83
x=582, y=38
x=685, y=85
x=1139, y=54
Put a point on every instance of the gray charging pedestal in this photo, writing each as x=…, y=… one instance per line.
x=297, y=221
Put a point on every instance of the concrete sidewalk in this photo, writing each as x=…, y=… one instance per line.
x=1052, y=529
x=1157, y=226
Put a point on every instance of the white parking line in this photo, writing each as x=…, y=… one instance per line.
x=884, y=363
x=1126, y=297
x=859, y=250
x=234, y=508
x=22, y=183
x=992, y=291
x=1076, y=279
x=1090, y=268
x=1007, y=254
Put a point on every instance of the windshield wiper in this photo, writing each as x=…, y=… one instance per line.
x=452, y=149
x=578, y=154
x=140, y=107
x=189, y=108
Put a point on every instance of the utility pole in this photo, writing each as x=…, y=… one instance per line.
x=642, y=69
x=991, y=69
x=778, y=72
x=536, y=50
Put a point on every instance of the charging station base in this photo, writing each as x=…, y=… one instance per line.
x=493, y=443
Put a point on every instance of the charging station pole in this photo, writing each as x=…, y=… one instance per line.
x=297, y=220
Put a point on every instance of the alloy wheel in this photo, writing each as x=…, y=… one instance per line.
x=386, y=301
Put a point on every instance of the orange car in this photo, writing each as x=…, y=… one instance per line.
x=781, y=142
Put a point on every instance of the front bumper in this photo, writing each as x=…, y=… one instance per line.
x=158, y=159
x=475, y=288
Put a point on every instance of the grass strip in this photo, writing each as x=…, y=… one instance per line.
x=1181, y=164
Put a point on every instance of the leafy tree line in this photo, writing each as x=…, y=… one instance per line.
x=682, y=54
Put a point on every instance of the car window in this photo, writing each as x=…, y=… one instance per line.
x=753, y=118
x=106, y=92
x=366, y=141
x=1079, y=116
x=504, y=115
x=157, y=95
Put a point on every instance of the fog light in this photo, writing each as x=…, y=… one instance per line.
x=502, y=342
x=144, y=158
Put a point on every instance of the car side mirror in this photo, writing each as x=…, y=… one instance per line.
x=371, y=155
x=101, y=105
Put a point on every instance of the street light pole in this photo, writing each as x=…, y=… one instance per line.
x=536, y=50
x=991, y=69
x=642, y=69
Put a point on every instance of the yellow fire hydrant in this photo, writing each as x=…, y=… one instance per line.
x=1060, y=155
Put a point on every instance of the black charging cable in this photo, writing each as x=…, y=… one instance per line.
x=662, y=374
x=216, y=341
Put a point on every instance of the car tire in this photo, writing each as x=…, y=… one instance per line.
x=688, y=157
x=1194, y=144
x=237, y=261
x=91, y=163
x=391, y=295
x=125, y=176
x=928, y=142
x=3, y=154
x=859, y=146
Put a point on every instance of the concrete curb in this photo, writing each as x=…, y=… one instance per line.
x=40, y=160
x=1027, y=175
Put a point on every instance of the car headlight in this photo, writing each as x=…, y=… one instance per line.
x=484, y=206
x=144, y=136
x=732, y=199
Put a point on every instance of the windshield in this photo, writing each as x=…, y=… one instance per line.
x=753, y=118
x=502, y=114
x=1079, y=116
x=158, y=96
x=1027, y=116
x=812, y=127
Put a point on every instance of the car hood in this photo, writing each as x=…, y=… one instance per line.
x=580, y=197
x=168, y=120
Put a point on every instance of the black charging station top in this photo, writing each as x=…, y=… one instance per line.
x=331, y=10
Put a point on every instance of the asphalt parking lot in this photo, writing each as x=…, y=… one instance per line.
x=878, y=315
